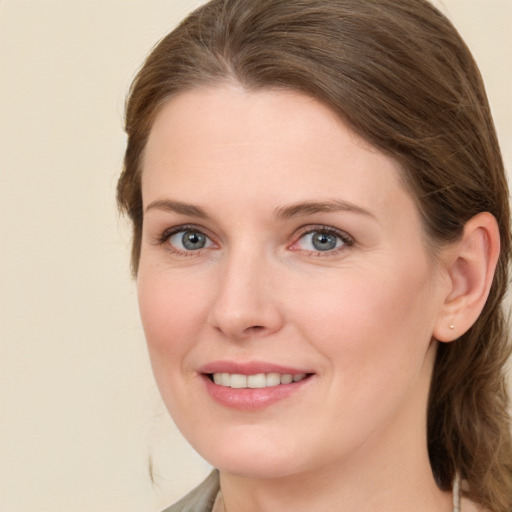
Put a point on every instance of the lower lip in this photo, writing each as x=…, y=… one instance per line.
x=252, y=399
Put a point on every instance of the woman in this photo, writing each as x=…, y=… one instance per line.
x=321, y=241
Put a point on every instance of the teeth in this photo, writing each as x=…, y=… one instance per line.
x=238, y=381
x=256, y=381
x=273, y=379
x=259, y=380
x=287, y=378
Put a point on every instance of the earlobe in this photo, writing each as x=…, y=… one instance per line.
x=470, y=265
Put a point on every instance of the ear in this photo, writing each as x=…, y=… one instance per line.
x=470, y=265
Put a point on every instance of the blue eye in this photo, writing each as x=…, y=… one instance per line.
x=322, y=241
x=189, y=240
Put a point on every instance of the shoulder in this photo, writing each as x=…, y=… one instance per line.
x=201, y=499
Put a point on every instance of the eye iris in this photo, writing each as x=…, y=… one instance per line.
x=324, y=241
x=192, y=240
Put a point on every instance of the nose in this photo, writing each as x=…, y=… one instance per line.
x=245, y=304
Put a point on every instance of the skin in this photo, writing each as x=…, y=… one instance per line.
x=360, y=317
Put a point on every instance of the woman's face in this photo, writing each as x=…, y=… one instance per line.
x=285, y=289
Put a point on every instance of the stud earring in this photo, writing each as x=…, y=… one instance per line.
x=452, y=326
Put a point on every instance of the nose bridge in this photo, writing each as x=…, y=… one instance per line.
x=244, y=305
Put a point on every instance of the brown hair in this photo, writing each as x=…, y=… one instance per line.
x=399, y=74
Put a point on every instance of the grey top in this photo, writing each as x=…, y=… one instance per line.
x=201, y=499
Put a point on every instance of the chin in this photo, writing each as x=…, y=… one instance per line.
x=257, y=467
x=249, y=455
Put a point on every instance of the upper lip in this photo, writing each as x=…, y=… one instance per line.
x=249, y=368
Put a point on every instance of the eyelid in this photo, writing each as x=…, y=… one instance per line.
x=167, y=232
x=164, y=236
x=348, y=240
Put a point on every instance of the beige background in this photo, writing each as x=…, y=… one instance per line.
x=79, y=415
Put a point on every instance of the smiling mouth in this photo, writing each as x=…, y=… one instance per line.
x=255, y=381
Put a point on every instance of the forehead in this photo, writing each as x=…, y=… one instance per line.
x=270, y=142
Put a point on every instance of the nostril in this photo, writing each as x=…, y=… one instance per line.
x=255, y=329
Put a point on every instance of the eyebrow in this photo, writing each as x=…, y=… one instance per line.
x=281, y=213
x=178, y=207
x=311, y=207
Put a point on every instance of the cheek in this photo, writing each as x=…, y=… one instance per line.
x=171, y=311
x=373, y=333
x=367, y=319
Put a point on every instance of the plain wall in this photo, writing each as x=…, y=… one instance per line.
x=80, y=418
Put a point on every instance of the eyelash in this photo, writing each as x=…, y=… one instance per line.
x=166, y=235
x=346, y=239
